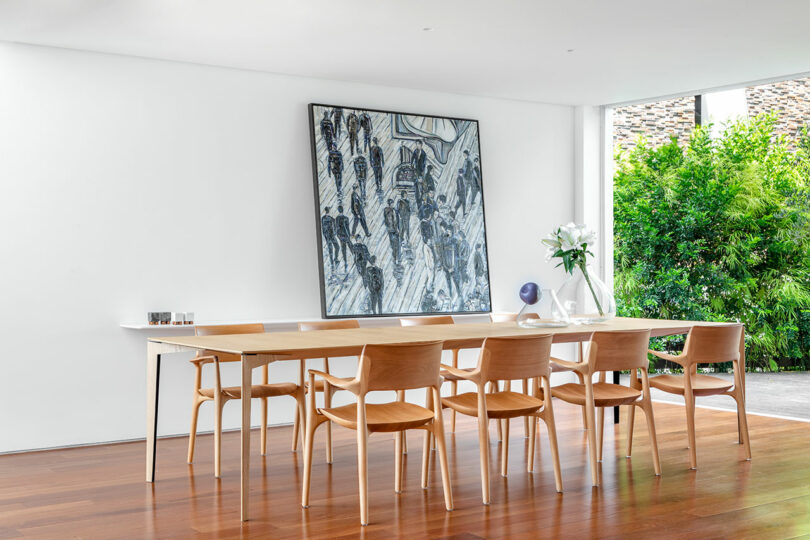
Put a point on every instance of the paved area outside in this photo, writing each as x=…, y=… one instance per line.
x=781, y=394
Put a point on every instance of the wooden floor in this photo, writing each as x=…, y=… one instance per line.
x=99, y=492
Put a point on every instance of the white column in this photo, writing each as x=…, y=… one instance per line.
x=590, y=193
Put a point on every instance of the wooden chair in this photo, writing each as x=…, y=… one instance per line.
x=397, y=367
x=446, y=376
x=611, y=351
x=320, y=386
x=453, y=380
x=220, y=395
x=555, y=368
x=508, y=358
x=708, y=345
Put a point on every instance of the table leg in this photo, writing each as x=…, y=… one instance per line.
x=247, y=376
x=152, y=395
x=616, y=380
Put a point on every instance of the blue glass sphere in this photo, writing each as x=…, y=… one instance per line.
x=530, y=293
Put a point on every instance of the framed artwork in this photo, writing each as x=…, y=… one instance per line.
x=400, y=213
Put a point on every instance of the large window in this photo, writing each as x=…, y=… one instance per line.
x=712, y=221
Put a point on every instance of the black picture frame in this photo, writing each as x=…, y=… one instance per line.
x=318, y=207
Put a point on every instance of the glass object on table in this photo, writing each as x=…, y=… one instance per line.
x=545, y=311
x=585, y=299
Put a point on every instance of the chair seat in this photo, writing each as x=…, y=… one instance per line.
x=499, y=404
x=385, y=417
x=702, y=385
x=319, y=384
x=256, y=391
x=447, y=376
x=604, y=394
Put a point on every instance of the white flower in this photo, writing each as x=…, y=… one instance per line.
x=587, y=237
x=569, y=238
x=551, y=241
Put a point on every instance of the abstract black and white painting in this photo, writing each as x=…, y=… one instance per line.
x=400, y=213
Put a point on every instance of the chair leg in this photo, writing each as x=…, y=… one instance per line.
x=429, y=440
x=526, y=418
x=591, y=428
x=438, y=435
x=401, y=397
x=493, y=387
x=600, y=432
x=555, y=452
x=690, y=428
x=192, y=433
x=453, y=392
x=425, y=459
x=327, y=403
x=296, y=430
x=362, y=464
x=264, y=427
x=300, y=401
x=631, y=421
x=532, y=436
x=218, y=404
x=505, y=447
x=584, y=416
x=398, y=462
x=507, y=386
x=309, y=429
x=483, y=443
x=648, y=412
x=742, y=420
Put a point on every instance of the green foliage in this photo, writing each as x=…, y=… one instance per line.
x=719, y=230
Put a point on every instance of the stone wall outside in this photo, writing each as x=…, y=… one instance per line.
x=789, y=99
x=659, y=120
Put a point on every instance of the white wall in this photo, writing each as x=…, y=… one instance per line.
x=131, y=185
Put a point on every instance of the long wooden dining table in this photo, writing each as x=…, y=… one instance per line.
x=257, y=350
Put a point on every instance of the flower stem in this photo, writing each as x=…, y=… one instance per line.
x=584, y=270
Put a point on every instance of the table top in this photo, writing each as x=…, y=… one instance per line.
x=349, y=342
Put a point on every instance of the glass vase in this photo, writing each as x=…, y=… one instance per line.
x=585, y=298
x=547, y=312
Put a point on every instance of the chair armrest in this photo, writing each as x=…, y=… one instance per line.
x=200, y=360
x=680, y=359
x=581, y=367
x=352, y=385
x=461, y=373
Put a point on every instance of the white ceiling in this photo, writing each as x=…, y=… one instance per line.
x=623, y=50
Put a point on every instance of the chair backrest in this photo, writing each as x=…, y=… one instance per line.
x=425, y=321
x=400, y=366
x=713, y=344
x=225, y=329
x=509, y=317
x=618, y=350
x=520, y=357
x=339, y=324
